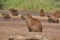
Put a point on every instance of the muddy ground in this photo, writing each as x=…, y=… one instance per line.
x=17, y=26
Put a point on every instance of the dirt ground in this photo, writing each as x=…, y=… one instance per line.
x=17, y=26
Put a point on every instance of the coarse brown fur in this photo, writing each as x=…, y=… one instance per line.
x=57, y=13
x=14, y=12
x=53, y=19
x=34, y=25
x=42, y=13
x=5, y=15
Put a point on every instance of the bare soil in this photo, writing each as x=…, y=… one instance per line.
x=17, y=26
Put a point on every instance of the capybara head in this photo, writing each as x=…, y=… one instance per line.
x=42, y=13
x=25, y=16
x=41, y=10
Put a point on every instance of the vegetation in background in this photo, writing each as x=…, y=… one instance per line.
x=1, y=4
x=32, y=5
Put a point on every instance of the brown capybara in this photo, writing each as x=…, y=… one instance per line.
x=34, y=25
x=42, y=13
x=5, y=15
x=14, y=12
x=57, y=13
x=53, y=19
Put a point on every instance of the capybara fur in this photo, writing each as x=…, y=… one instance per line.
x=42, y=13
x=57, y=13
x=53, y=19
x=14, y=12
x=5, y=15
x=34, y=25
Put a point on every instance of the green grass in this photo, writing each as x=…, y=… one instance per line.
x=47, y=5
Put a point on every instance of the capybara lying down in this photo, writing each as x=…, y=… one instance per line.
x=34, y=25
x=53, y=19
x=5, y=15
x=57, y=13
x=14, y=12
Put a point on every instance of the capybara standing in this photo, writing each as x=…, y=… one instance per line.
x=53, y=19
x=42, y=13
x=14, y=12
x=34, y=25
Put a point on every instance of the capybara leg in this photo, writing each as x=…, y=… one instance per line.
x=29, y=29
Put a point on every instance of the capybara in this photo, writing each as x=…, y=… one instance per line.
x=57, y=13
x=5, y=16
x=34, y=25
x=42, y=13
x=14, y=12
x=53, y=19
